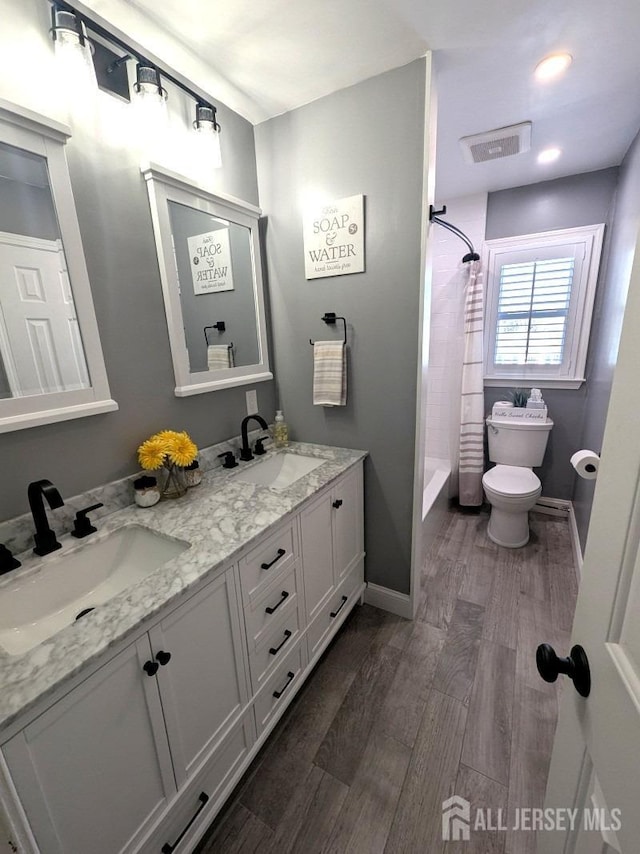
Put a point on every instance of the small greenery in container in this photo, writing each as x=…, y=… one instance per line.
x=518, y=398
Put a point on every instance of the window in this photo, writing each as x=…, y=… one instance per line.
x=540, y=292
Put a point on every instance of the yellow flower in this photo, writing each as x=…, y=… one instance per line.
x=181, y=450
x=151, y=453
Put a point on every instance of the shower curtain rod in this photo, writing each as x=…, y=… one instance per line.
x=434, y=216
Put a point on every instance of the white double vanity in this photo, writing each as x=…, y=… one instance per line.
x=126, y=730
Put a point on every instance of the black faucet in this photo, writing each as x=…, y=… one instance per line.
x=245, y=451
x=44, y=537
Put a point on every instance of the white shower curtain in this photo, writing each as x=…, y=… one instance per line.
x=471, y=449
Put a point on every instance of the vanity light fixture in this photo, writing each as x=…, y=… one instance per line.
x=73, y=49
x=208, y=129
x=69, y=32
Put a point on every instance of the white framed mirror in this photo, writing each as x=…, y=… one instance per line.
x=209, y=255
x=51, y=363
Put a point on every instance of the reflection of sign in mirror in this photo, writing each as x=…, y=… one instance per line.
x=210, y=256
x=334, y=238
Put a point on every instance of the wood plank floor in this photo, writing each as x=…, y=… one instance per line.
x=400, y=715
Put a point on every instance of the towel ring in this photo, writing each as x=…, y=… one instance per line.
x=330, y=319
x=220, y=326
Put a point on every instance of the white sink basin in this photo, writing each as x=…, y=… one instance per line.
x=35, y=606
x=280, y=471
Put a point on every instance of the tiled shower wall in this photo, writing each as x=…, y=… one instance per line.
x=447, y=300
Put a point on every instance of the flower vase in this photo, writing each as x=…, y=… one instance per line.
x=174, y=485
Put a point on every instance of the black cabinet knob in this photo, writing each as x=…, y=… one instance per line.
x=575, y=666
x=163, y=657
x=150, y=668
x=337, y=503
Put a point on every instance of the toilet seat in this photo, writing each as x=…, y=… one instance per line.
x=512, y=481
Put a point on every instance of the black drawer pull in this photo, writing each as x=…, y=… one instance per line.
x=163, y=657
x=278, y=694
x=167, y=848
x=270, y=610
x=335, y=613
x=150, y=667
x=338, y=503
x=281, y=553
x=276, y=649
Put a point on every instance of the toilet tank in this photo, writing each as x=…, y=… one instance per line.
x=517, y=443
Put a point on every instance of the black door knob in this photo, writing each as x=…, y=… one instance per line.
x=575, y=666
x=163, y=657
x=337, y=503
x=150, y=668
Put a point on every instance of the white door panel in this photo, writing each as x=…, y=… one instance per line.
x=602, y=732
x=39, y=336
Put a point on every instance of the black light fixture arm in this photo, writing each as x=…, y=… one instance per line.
x=434, y=216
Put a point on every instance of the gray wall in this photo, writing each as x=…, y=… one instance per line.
x=115, y=223
x=607, y=323
x=366, y=139
x=564, y=203
x=235, y=307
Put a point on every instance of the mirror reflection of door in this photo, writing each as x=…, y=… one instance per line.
x=41, y=348
x=215, y=269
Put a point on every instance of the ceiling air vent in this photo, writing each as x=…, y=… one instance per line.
x=502, y=142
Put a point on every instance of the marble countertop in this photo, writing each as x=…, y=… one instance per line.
x=219, y=518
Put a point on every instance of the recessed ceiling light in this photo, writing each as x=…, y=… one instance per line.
x=549, y=155
x=552, y=66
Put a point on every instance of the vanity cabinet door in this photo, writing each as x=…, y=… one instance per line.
x=93, y=772
x=317, y=554
x=347, y=527
x=202, y=673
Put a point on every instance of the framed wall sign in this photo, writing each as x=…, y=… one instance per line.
x=210, y=256
x=333, y=236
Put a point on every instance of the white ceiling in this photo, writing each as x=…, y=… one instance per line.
x=266, y=58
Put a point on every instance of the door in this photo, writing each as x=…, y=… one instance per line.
x=93, y=772
x=317, y=554
x=202, y=676
x=596, y=756
x=348, y=542
x=40, y=339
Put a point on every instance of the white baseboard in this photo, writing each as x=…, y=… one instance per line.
x=553, y=506
x=561, y=507
x=388, y=600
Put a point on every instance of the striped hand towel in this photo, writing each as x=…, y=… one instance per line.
x=329, y=373
x=219, y=356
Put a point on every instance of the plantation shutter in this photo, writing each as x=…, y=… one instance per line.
x=532, y=317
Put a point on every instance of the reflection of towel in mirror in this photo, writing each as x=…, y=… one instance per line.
x=329, y=373
x=219, y=356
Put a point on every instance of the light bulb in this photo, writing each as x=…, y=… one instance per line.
x=549, y=155
x=553, y=66
x=74, y=56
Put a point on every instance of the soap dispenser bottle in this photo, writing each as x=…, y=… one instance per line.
x=280, y=431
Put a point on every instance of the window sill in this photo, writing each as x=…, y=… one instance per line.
x=533, y=382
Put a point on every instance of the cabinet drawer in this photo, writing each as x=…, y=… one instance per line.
x=274, y=646
x=268, y=560
x=263, y=612
x=334, y=610
x=280, y=687
x=196, y=804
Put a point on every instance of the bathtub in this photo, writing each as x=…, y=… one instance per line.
x=435, y=499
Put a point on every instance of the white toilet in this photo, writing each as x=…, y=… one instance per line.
x=511, y=487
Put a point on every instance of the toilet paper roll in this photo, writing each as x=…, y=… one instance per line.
x=503, y=404
x=586, y=463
